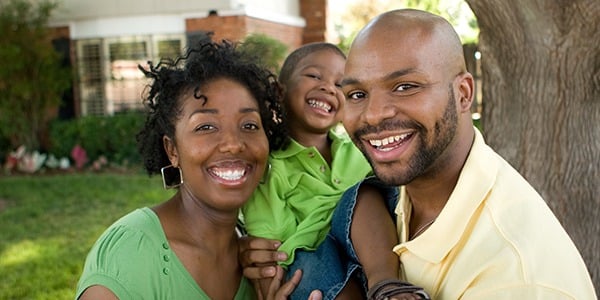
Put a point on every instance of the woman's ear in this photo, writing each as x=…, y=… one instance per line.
x=171, y=150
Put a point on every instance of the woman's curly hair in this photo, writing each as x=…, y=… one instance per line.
x=208, y=61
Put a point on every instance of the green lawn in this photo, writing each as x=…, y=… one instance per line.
x=48, y=223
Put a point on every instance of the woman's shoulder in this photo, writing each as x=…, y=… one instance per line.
x=139, y=227
x=140, y=218
x=129, y=247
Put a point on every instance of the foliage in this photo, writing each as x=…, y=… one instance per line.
x=49, y=224
x=270, y=51
x=359, y=13
x=457, y=12
x=32, y=79
x=477, y=123
x=109, y=136
x=5, y=147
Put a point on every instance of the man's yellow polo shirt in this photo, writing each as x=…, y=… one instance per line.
x=495, y=239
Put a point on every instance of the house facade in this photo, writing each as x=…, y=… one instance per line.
x=104, y=41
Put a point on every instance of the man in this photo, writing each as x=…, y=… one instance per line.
x=469, y=226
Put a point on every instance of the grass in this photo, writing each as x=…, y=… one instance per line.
x=49, y=223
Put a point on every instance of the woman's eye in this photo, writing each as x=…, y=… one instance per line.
x=204, y=127
x=251, y=126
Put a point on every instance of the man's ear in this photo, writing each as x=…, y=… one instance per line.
x=466, y=88
x=171, y=151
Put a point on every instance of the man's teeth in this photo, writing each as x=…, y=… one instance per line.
x=230, y=174
x=388, y=140
x=319, y=104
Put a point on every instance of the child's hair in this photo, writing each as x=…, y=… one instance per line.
x=293, y=58
x=208, y=61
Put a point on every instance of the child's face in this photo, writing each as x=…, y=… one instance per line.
x=313, y=96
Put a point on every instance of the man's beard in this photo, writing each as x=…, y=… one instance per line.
x=425, y=156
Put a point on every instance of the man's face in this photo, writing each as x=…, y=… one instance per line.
x=400, y=104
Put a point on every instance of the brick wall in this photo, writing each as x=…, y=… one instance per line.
x=230, y=27
x=235, y=28
x=59, y=32
x=315, y=14
x=289, y=35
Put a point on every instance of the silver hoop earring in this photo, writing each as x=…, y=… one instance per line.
x=171, y=177
x=266, y=174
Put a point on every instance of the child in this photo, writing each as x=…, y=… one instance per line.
x=295, y=202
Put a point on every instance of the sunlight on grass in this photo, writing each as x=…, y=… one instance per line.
x=49, y=223
x=19, y=253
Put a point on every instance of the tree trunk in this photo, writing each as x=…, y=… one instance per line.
x=541, y=104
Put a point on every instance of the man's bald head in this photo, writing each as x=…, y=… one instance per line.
x=405, y=77
x=428, y=30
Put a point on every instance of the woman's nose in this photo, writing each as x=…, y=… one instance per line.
x=231, y=142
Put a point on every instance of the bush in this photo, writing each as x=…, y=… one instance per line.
x=110, y=136
x=32, y=78
x=270, y=51
x=4, y=148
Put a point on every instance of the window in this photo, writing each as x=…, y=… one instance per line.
x=169, y=48
x=126, y=82
x=110, y=81
x=90, y=77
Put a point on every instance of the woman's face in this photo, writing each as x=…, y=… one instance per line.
x=220, y=145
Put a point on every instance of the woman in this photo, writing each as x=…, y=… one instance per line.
x=213, y=117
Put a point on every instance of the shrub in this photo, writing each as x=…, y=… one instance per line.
x=4, y=148
x=32, y=78
x=110, y=136
x=270, y=51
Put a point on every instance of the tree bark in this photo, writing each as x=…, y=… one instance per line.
x=541, y=104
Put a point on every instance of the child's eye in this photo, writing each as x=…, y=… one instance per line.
x=313, y=76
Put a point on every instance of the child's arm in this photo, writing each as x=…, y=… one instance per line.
x=259, y=257
x=373, y=234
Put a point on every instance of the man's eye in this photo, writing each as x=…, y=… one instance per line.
x=404, y=87
x=356, y=95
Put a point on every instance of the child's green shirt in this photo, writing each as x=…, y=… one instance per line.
x=296, y=201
